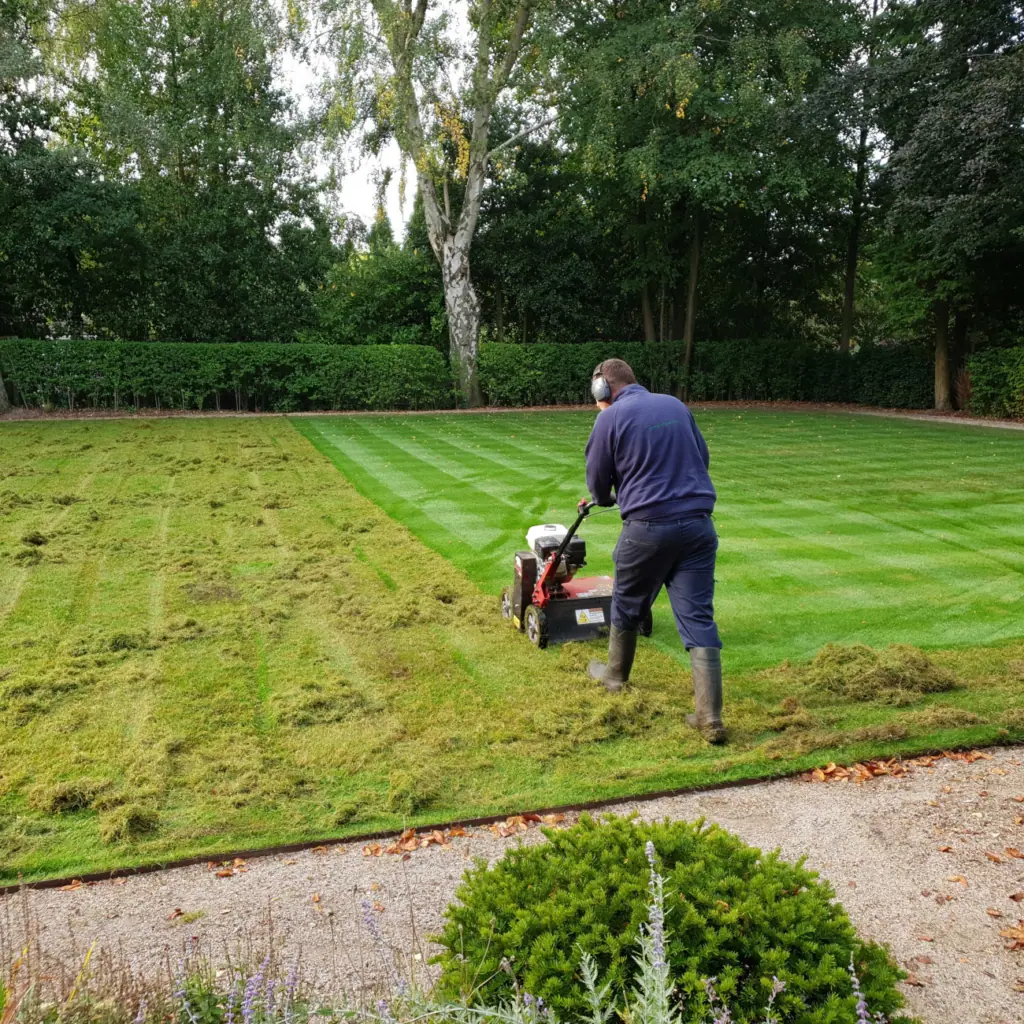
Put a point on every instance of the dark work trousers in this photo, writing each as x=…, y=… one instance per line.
x=678, y=555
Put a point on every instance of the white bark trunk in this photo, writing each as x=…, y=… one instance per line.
x=463, y=308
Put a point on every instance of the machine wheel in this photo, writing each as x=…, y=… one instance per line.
x=536, y=627
x=506, y=603
x=646, y=624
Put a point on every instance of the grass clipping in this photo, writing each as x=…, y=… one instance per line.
x=899, y=674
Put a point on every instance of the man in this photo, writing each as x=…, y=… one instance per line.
x=648, y=449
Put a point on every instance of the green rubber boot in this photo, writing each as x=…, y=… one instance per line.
x=706, y=664
x=621, y=651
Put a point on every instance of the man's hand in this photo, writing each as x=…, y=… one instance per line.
x=584, y=506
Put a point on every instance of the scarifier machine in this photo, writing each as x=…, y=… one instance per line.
x=547, y=601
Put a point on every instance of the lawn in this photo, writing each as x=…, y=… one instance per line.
x=212, y=638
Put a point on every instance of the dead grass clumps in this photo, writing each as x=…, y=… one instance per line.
x=68, y=796
x=127, y=824
x=899, y=674
x=943, y=716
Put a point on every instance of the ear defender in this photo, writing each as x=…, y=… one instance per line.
x=600, y=390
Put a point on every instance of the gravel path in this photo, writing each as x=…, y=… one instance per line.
x=880, y=844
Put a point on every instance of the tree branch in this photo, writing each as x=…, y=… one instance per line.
x=519, y=135
x=515, y=43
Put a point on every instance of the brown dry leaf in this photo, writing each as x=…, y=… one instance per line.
x=175, y=913
x=119, y=881
x=553, y=819
x=945, y=849
x=992, y=912
x=372, y=850
x=379, y=907
x=1018, y=799
x=959, y=879
x=1012, y=851
x=1019, y=985
x=1018, y=821
x=316, y=897
x=238, y=863
x=927, y=938
x=456, y=831
x=225, y=873
x=535, y=818
x=994, y=857
x=1015, y=935
x=922, y=959
x=374, y=886
x=75, y=883
x=291, y=862
x=982, y=792
x=1017, y=897
x=913, y=979
x=437, y=838
x=320, y=850
x=517, y=821
x=817, y=775
x=947, y=789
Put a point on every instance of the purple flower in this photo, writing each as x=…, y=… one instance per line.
x=863, y=1017
x=140, y=1017
x=232, y=1002
x=722, y=1016
x=253, y=987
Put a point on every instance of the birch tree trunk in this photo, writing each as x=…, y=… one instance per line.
x=451, y=237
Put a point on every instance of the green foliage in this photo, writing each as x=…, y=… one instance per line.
x=997, y=382
x=389, y=295
x=284, y=378
x=731, y=913
x=897, y=376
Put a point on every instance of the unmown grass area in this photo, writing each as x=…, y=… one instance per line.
x=210, y=640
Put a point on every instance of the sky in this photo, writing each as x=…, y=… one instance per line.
x=358, y=190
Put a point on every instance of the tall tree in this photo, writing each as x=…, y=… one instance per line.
x=179, y=99
x=951, y=82
x=396, y=61
x=698, y=110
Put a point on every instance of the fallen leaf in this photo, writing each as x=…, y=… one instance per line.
x=1015, y=935
x=225, y=873
x=992, y=912
x=927, y=938
x=959, y=879
x=553, y=819
x=1018, y=799
x=316, y=897
x=175, y=913
x=940, y=899
x=72, y=886
x=320, y=849
x=1012, y=851
x=1019, y=985
x=913, y=979
x=372, y=850
x=851, y=885
x=945, y=849
x=238, y=863
x=456, y=831
x=374, y=886
x=994, y=857
x=982, y=792
x=379, y=907
x=947, y=789
x=291, y=862
x=532, y=817
x=922, y=959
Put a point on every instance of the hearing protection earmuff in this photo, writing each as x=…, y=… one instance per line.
x=600, y=389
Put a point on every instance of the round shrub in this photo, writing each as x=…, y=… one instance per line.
x=731, y=913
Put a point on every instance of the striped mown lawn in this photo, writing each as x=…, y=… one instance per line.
x=209, y=640
x=834, y=528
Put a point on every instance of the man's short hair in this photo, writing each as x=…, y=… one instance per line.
x=617, y=372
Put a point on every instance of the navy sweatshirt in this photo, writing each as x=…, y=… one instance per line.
x=649, y=449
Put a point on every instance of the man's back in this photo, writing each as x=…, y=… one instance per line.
x=648, y=447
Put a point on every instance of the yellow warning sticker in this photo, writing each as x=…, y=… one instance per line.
x=590, y=616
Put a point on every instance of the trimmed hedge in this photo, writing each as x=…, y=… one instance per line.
x=263, y=377
x=899, y=376
x=290, y=378
x=997, y=382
